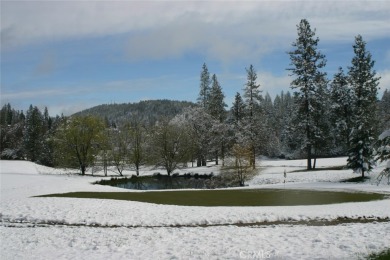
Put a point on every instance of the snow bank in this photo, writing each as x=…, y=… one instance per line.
x=137, y=236
x=231, y=242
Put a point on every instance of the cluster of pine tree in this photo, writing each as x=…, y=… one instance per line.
x=27, y=136
x=322, y=118
x=342, y=112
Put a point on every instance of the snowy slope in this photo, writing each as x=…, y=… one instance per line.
x=136, y=230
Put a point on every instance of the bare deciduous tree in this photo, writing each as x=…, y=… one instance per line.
x=238, y=168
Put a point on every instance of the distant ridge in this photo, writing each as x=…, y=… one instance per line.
x=148, y=111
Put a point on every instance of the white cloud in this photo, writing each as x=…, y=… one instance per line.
x=223, y=30
x=34, y=93
x=272, y=84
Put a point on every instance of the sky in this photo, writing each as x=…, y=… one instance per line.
x=73, y=55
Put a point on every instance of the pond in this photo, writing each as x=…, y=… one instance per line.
x=163, y=182
x=232, y=197
x=207, y=195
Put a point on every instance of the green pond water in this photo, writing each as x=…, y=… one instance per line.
x=232, y=197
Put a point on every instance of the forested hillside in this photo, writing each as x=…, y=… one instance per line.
x=147, y=111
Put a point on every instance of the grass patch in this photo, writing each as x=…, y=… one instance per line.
x=384, y=255
x=251, y=197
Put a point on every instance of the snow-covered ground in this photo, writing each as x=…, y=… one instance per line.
x=64, y=228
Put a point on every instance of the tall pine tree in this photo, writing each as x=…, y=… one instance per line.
x=34, y=134
x=238, y=108
x=216, y=107
x=251, y=127
x=252, y=93
x=364, y=85
x=306, y=65
x=204, y=91
x=384, y=110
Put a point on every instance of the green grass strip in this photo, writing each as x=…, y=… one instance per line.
x=384, y=255
x=244, y=197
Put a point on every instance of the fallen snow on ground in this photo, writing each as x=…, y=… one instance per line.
x=136, y=230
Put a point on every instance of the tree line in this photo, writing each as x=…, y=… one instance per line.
x=322, y=117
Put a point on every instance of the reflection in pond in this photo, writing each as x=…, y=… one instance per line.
x=161, y=182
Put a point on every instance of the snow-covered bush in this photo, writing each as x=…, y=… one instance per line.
x=12, y=154
x=383, y=152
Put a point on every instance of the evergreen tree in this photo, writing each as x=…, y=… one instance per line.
x=384, y=110
x=269, y=138
x=252, y=93
x=342, y=112
x=238, y=108
x=48, y=119
x=34, y=134
x=268, y=107
x=46, y=156
x=216, y=107
x=251, y=128
x=283, y=114
x=11, y=133
x=6, y=115
x=205, y=82
x=364, y=84
x=383, y=152
x=307, y=62
x=278, y=115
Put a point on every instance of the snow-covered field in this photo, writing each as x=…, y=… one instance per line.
x=61, y=228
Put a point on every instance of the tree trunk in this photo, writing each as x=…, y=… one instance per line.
x=223, y=154
x=253, y=159
x=216, y=157
x=308, y=135
x=309, y=157
x=315, y=158
x=315, y=162
x=105, y=166
x=82, y=167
